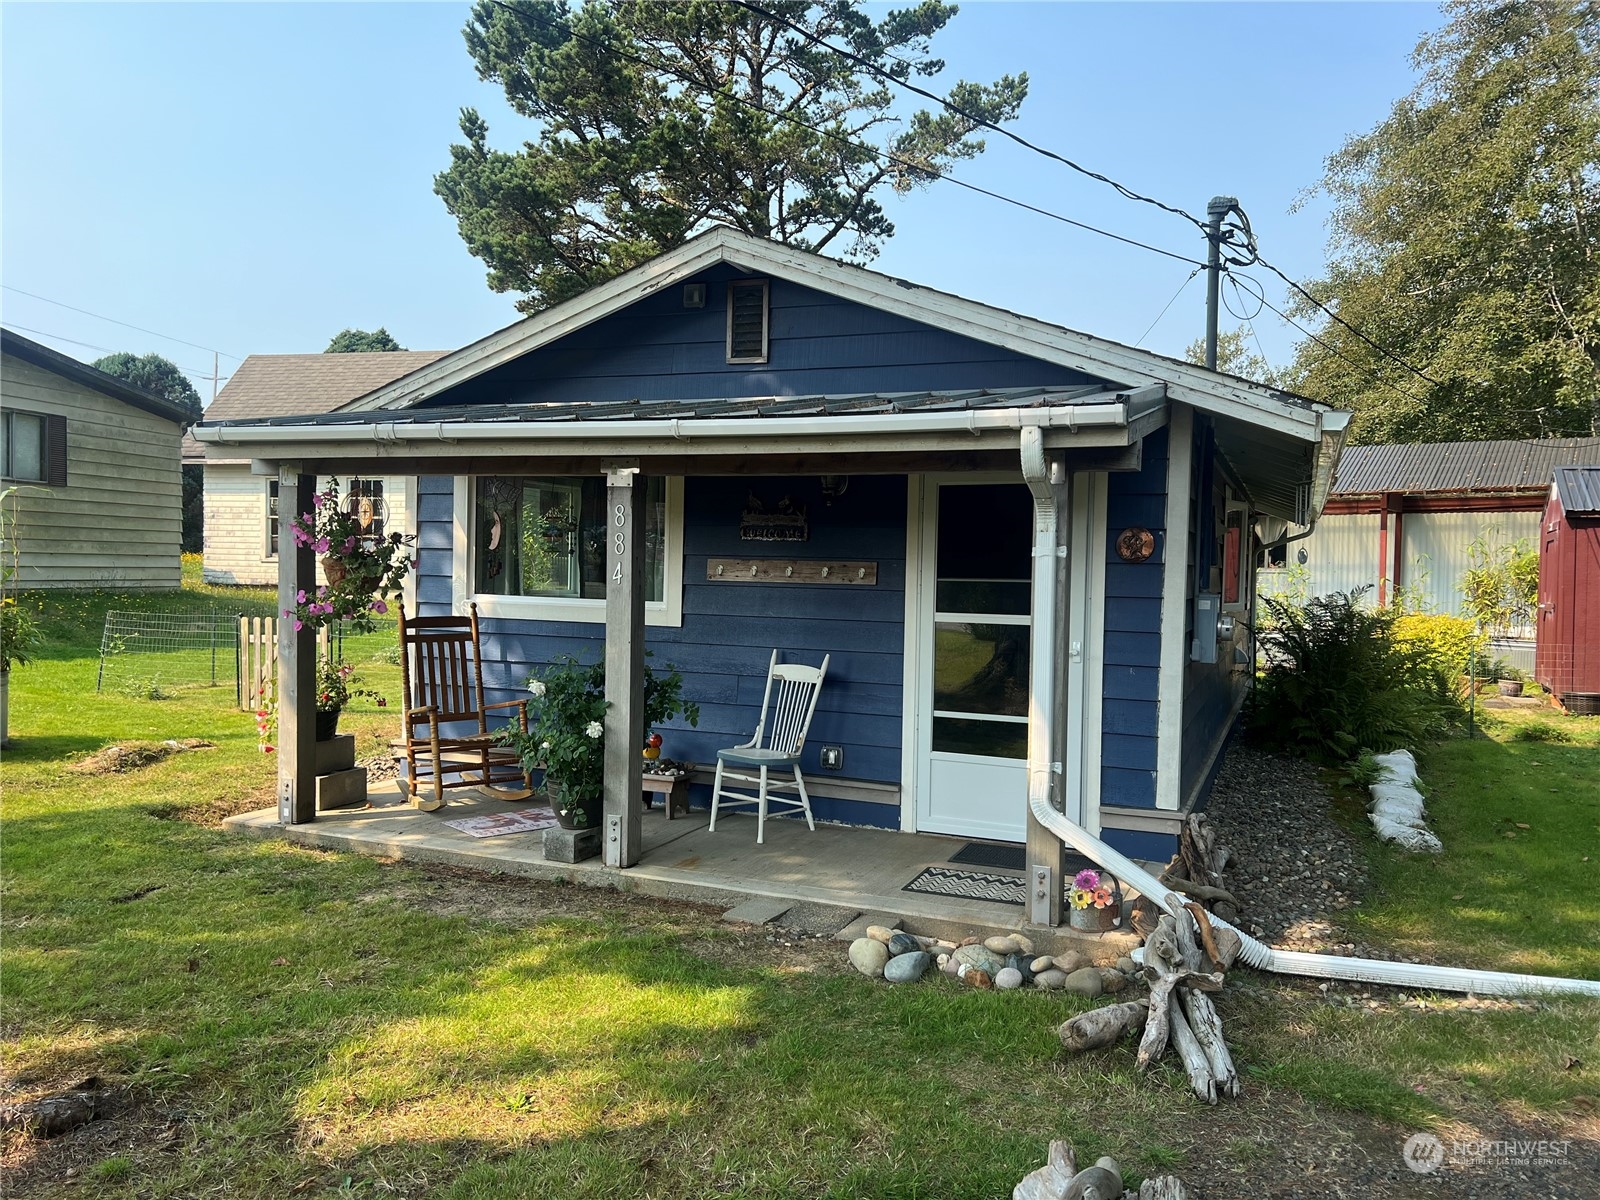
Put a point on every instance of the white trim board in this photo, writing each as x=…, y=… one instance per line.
x=1174, y=608
x=1208, y=390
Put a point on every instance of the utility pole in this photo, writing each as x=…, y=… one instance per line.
x=1219, y=208
x=216, y=375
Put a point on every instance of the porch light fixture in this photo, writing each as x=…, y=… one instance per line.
x=834, y=486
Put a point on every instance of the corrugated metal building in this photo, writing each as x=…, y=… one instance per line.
x=1405, y=517
x=1569, y=590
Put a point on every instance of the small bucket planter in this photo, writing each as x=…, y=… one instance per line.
x=1510, y=687
x=327, y=724
x=1095, y=903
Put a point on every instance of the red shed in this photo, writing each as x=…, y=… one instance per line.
x=1568, y=656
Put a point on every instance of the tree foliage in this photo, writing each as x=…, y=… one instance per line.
x=648, y=130
x=154, y=374
x=1465, y=236
x=1235, y=356
x=360, y=341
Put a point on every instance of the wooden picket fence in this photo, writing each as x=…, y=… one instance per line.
x=258, y=660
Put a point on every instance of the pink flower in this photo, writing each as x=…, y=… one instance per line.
x=349, y=544
x=300, y=596
x=321, y=545
x=1086, y=880
x=378, y=606
x=321, y=591
x=298, y=625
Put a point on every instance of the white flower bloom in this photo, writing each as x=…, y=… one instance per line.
x=544, y=745
x=536, y=686
x=595, y=729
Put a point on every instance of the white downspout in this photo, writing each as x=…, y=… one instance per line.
x=1294, y=962
x=1044, y=894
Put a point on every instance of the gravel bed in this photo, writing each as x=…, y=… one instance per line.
x=1293, y=863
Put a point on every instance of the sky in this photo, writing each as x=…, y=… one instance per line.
x=253, y=178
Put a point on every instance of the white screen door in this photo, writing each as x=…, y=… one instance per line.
x=976, y=634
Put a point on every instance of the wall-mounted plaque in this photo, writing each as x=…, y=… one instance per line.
x=785, y=523
x=1135, y=544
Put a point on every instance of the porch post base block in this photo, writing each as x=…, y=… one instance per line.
x=571, y=845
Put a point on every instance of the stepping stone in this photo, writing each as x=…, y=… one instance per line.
x=758, y=910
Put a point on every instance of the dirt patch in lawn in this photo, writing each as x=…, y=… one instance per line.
x=130, y=756
x=212, y=811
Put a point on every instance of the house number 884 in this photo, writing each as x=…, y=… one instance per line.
x=621, y=540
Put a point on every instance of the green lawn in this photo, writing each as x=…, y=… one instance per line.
x=290, y=1022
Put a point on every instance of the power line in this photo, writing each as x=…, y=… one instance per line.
x=1365, y=370
x=1187, y=280
x=114, y=321
x=877, y=152
x=945, y=102
x=90, y=346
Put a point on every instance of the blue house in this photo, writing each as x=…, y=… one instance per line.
x=1039, y=544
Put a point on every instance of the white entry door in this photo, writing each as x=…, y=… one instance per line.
x=976, y=630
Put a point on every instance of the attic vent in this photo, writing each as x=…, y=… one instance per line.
x=747, y=321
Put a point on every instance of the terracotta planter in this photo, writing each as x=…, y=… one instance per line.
x=327, y=724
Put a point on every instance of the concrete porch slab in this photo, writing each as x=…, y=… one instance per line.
x=845, y=867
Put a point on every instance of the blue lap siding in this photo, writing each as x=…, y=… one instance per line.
x=730, y=629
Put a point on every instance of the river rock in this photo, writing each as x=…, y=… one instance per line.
x=906, y=968
x=868, y=955
x=880, y=933
x=1008, y=979
x=1071, y=961
x=980, y=957
x=979, y=979
x=1024, y=942
x=1112, y=981
x=904, y=943
x=1043, y=963
x=948, y=965
x=1002, y=944
x=1085, y=981
x=1050, y=979
x=1127, y=966
x=1020, y=963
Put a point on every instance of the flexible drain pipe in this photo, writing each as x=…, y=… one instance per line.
x=1323, y=966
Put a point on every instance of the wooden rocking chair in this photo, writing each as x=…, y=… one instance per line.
x=441, y=681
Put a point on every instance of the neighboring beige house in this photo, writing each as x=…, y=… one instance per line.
x=94, y=460
x=241, y=509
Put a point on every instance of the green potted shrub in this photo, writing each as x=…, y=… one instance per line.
x=1509, y=679
x=566, y=732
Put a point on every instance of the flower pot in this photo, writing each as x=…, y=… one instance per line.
x=574, y=813
x=327, y=723
x=1099, y=920
x=1510, y=687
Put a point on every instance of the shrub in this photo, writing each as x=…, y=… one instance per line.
x=1338, y=679
x=1450, y=643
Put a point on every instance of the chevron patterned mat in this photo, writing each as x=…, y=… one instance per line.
x=971, y=885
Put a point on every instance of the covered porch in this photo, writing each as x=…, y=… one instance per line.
x=836, y=880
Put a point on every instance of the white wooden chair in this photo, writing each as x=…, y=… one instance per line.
x=784, y=737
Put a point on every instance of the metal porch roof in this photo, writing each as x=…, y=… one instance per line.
x=1460, y=466
x=752, y=407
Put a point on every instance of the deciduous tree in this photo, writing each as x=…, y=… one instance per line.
x=1465, y=236
x=155, y=374
x=655, y=120
x=360, y=341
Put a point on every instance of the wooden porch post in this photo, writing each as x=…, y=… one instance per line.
x=297, y=657
x=624, y=766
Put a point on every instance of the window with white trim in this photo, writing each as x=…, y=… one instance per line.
x=33, y=447
x=271, y=539
x=536, y=546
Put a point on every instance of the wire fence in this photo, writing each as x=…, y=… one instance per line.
x=149, y=652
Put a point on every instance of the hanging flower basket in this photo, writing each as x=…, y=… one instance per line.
x=362, y=571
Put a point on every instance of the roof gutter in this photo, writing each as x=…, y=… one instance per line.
x=1333, y=428
x=973, y=421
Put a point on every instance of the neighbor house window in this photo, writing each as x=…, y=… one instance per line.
x=272, y=518
x=363, y=500
x=545, y=537
x=747, y=321
x=34, y=447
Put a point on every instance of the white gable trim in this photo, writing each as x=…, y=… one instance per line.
x=1125, y=365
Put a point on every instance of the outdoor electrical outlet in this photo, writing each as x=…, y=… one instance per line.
x=833, y=758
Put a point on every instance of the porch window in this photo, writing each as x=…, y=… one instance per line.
x=537, y=547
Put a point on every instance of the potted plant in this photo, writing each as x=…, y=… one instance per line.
x=1096, y=901
x=362, y=570
x=18, y=637
x=566, y=731
x=337, y=685
x=1510, y=680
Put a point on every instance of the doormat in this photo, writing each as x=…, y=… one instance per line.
x=503, y=823
x=1011, y=857
x=971, y=885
